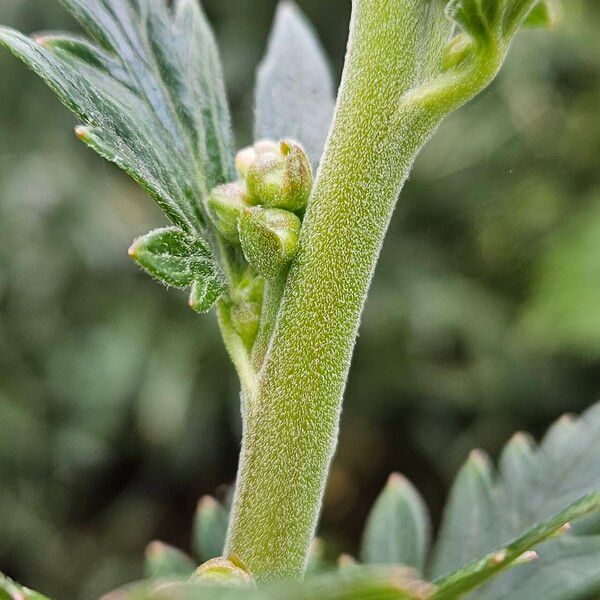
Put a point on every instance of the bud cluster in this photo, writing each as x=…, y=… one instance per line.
x=262, y=211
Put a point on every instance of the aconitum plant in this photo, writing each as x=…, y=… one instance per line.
x=281, y=240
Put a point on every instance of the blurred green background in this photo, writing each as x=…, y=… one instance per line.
x=118, y=407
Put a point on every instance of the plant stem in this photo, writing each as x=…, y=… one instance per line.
x=291, y=425
x=272, y=300
x=237, y=351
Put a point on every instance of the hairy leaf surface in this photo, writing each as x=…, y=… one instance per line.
x=149, y=88
x=486, y=511
x=294, y=89
x=398, y=528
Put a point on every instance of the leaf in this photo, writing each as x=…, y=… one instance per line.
x=358, y=583
x=546, y=14
x=9, y=590
x=490, y=21
x=164, y=561
x=172, y=256
x=486, y=511
x=176, y=258
x=398, y=528
x=210, y=528
x=475, y=574
x=150, y=92
x=294, y=89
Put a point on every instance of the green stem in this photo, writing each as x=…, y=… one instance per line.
x=291, y=423
x=272, y=300
x=236, y=350
x=291, y=426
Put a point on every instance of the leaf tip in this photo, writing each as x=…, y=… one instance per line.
x=479, y=459
x=499, y=557
x=346, y=560
x=82, y=132
x=154, y=549
x=523, y=440
x=396, y=480
x=207, y=503
x=527, y=557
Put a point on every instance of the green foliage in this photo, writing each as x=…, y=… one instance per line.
x=210, y=528
x=165, y=562
x=9, y=590
x=477, y=573
x=484, y=512
x=176, y=258
x=134, y=92
x=294, y=89
x=398, y=530
x=152, y=101
x=202, y=294
x=486, y=517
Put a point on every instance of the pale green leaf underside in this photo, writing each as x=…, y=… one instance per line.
x=294, y=89
x=163, y=561
x=149, y=90
x=398, y=527
x=476, y=573
x=485, y=511
x=210, y=529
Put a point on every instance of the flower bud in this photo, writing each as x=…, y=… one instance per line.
x=282, y=178
x=246, y=156
x=226, y=203
x=269, y=238
x=224, y=571
x=263, y=146
x=243, y=159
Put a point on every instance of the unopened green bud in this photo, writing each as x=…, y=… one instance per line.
x=269, y=238
x=224, y=571
x=243, y=159
x=246, y=156
x=263, y=146
x=226, y=203
x=458, y=49
x=282, y=178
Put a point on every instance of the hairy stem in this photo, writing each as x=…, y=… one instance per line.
x=272, y=300
x=393, y=95
x=291, y=425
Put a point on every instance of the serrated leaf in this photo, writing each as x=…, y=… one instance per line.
x=172, y=256
x=210, y=528
x=177, y=258
x=9, y=590
x=485, y=511
x=398, y=527
x=150, y=91
x=163, y=562
x=294, y=89
x=475, y=574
